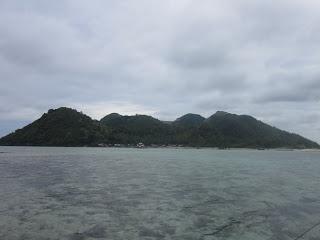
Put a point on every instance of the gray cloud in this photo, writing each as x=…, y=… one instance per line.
x=293, y=86
x=163, y=58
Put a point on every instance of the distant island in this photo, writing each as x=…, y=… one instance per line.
x=68, y=127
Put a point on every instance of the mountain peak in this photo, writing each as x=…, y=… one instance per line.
x=110, y=116
x=221, y=113
x=58, y=127
x=190, y=115
x=189, y=119
x=61, y=109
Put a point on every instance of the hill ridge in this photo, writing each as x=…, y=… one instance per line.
x=68, y=127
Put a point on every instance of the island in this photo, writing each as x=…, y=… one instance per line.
x=68, y=127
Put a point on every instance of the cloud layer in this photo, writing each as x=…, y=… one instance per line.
x=163, y=58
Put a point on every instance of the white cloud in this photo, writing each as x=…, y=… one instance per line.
x=100, y=109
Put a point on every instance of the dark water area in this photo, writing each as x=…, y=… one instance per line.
x=108, y=193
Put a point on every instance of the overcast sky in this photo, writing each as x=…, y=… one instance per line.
x=163, y=58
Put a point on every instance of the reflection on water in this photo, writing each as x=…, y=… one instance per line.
x=95, y=193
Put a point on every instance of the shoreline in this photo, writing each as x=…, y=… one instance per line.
x=173, y=147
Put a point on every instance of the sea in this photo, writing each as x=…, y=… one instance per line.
x=158, y=193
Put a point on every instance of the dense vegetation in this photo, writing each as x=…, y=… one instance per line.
x=67, y=127
x=138, y=128
x=60, y=127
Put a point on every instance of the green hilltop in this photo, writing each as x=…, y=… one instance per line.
x=68, y=127
x=60, y=127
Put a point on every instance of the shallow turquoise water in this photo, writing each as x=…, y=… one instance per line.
x=109, y=193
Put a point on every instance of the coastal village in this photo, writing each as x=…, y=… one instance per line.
x=139, y=145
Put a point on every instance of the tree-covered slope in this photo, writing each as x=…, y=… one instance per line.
x=138, y=128
x=225, y=130
x=189, y=120
x=112, y=117
x=67, y=127
x=186, y=130
x=60, y=127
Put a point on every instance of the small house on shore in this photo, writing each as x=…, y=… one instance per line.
x=140, y=145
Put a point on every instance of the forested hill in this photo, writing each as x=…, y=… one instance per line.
x=68, y=127
x=60, y=127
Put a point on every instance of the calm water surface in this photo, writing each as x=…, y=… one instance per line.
x=97, y=193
